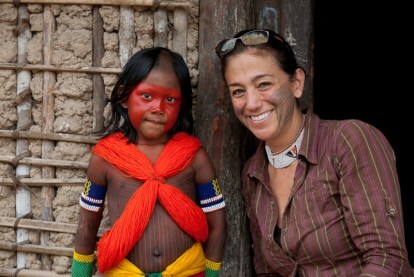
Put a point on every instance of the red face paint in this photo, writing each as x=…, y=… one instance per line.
x=153, y=108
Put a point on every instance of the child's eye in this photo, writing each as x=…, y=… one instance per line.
x=146, y=96
x=170, y=99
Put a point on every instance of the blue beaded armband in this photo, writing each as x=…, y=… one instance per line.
x=210, y=197
x=92, y=197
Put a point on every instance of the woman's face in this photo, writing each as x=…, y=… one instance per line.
x=263, y=97
x=154, y=105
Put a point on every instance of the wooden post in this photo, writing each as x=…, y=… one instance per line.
x=49, y=80
x=299, y=35
x=267, y=14
x=160, y=28
x=218, y=127
x=180, y=32
x=126, y=34
x=98, y=84
x=24, y=120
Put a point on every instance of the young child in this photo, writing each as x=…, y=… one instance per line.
x=165, y=206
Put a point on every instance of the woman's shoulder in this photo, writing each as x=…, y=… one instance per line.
x=348, y=128
x=354, y=129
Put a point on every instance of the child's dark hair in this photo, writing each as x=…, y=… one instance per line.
x=134, y=72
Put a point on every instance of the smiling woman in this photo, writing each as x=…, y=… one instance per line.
x=322, y=196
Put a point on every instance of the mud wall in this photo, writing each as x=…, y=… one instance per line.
x=49, y=109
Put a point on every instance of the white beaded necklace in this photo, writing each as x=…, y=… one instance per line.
x=288, y=155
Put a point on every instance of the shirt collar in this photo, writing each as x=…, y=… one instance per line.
x=257, y=165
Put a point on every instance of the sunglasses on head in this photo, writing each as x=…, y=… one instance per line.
x=254, y=37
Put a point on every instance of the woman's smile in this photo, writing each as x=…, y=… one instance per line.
x=261, y=117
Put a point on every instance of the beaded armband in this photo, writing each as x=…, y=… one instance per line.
x=92, y=197
x=82, y=265
x=212, y=268
x=210, y=197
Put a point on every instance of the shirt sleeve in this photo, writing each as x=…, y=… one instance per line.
x=370, y=194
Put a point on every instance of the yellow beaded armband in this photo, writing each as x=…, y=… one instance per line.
x=212, y=265
x=83, y=258
x=82, y=265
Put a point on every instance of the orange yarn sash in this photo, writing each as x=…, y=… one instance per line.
x=177, y=154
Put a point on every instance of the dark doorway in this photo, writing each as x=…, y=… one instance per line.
x=361, y=60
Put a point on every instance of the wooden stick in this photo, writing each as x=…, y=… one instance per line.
x=11, y=272
x=98, y=98
x=126, y=34
x=31, y=182
x=32, y=248
x=161, y=28
x=40, y=67
x=149, y=3
x=180, y=32
x=40, y=225
x=49, y=81
x=24, y=118
x=50, y=136
x=46, y=162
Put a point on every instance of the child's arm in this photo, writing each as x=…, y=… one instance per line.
x=214, y=247
x=91, y=202
x=211, y=200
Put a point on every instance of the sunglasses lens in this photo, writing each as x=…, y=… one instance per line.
x=250, y=38
x=226, y=46
x=255, y=37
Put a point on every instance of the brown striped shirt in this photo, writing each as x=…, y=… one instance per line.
x=344, y=214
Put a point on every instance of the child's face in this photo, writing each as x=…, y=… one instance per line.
x=153, y=106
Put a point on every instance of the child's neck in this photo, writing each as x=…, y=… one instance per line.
x=162, y=140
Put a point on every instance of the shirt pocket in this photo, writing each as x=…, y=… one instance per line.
x=316, y=207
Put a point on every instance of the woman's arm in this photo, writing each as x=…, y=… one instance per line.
x=370, y=193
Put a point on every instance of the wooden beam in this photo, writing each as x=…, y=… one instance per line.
x=49, y=81
x=33, y=182
x=50, y=136
x=126, y=34
x=148, y=3
x=219, y=129
x=14, y=272
x=161, y=28
x=24, y=120
x=39, y=225
x=180, y=32
x=31, y=248
x=98, y=94
x=298, y=33
x=40, y=67
x=46, y=162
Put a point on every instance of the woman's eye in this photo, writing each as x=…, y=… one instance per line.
x=146, y=96
x=237, y=93
x=170, y=99
x=264, y=85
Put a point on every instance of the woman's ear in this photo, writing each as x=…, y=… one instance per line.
x=124, y=104
x=299, y=82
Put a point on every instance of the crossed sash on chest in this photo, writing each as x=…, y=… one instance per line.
x=177, y=154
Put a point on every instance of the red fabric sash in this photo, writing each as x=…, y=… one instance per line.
x=177, y=154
